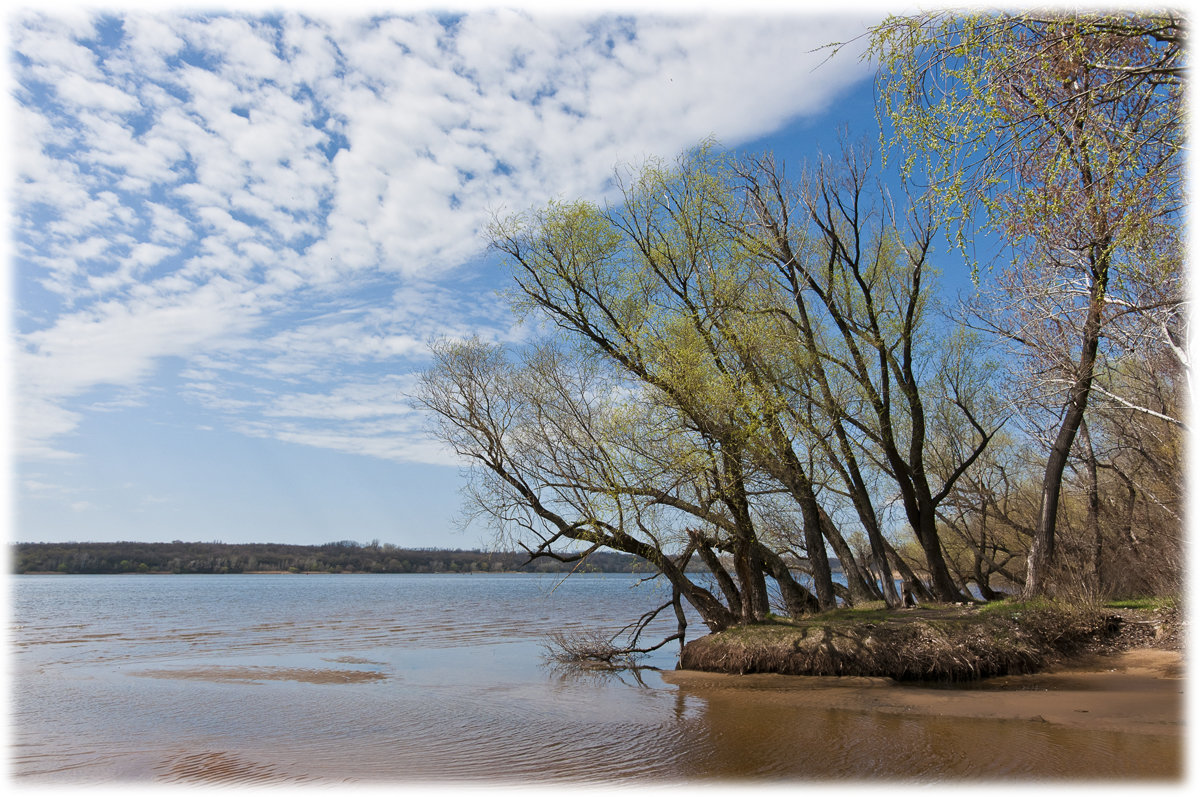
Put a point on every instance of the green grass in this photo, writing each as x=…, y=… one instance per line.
x=867, y=612
x=1009, y=607
x=1146, y=604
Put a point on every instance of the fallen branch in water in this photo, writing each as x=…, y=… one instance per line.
x=595, y=649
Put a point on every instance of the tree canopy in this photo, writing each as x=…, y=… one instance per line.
x=743, y=369
x=760, y=374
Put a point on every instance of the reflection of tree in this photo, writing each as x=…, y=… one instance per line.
x=770, y=726
x=627, y=672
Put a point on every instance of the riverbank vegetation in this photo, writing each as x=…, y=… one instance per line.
x=938, y=643
x=759, y=372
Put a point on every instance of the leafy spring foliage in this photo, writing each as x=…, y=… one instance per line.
x=1045, y=122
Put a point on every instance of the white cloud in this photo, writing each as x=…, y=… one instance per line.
x=119, y=342
x=291, y=202
x=401, y=443
x=346, y=403
x=40, y=423
x=73, y=88
x=151, y=40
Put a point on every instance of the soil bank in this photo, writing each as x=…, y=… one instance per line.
x=945, y=644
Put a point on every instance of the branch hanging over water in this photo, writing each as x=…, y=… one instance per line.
x=594, y=649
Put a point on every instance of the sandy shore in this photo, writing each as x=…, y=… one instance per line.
x=1136, y=691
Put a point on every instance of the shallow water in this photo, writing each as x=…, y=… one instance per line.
x=382, y=678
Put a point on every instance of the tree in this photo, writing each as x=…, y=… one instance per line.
x=865, y=280
x=648, y=286
x=561, y=466
x=1063, y=132
x=741, y=365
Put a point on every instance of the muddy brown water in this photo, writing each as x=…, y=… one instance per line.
x=378, y=679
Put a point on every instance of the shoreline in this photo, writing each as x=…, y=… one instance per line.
x=944, y=643
x=1138, y=690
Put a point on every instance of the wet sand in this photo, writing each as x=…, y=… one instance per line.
x=1137, y=691
x=257, y=674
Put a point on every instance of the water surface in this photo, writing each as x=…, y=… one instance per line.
x=441, y=678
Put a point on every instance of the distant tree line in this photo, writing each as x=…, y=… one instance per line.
x=345, y=556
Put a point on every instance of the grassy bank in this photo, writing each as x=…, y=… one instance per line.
x=934, y=643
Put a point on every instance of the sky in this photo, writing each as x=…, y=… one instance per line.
x=233, y=235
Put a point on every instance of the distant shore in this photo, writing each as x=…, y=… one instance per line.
x=286, y=573
x=345, y=556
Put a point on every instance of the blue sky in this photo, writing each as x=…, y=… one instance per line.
x=233, y=236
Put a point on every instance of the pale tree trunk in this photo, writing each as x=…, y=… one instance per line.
x=1042, y=553
x=1093, y=505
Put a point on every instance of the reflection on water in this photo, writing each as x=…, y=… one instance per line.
x=361, y=679
x=868, y=730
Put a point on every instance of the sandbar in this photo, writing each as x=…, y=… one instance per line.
x=252, y=674
x=1135, y=691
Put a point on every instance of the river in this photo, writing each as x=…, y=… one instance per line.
x=441, y=679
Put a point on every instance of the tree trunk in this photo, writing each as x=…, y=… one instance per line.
x=879, y=553
x=711, y=611
x=1042, y=551
x=1093, y=506
x=814, y=541
x=799, y=601
x=942, y=583
x=746, y=563
x=749, y=569
x=907, y=574
x=790, y=472
x=713, y=563
x=857, y=583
